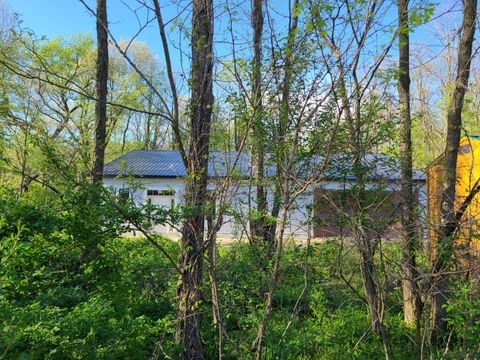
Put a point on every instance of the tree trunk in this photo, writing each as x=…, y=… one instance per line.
x=454, y=123
x=363, y=240
x=212, y=227
x=284, y=115
x=100, y=92
x=268, y=303
x=375, y=305
x=24, y=156
x=411, y=298
x=189, y=293
x=257, y=225
x=91, y=251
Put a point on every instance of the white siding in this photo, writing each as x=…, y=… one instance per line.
x=239, y=199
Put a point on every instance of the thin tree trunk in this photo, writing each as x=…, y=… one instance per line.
x=212, y=265
x=363, y=240
x=175, y=118
x=257, y=226
x=91, y=252
x=412, y=303
x=100, y=92
x=191, y=260
x=454, y=123
x=368, y=270
x=271, y=230
x=24, y=182
x=268, y=304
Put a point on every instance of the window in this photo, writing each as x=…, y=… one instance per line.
x=168, y=192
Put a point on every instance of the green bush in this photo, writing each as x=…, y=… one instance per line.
x=463, y=317
x=53, y=307
x=55, y=304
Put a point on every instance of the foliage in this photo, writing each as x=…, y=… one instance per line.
x=56, y=302
x=330, y=321
x=51, y=308
x=463, y=310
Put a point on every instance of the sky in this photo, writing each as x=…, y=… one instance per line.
x=64, y=18
x=53, y=17
x=67, y=17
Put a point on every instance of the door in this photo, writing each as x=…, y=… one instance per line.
x=164, y=199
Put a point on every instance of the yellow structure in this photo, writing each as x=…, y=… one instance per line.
x=468, y=172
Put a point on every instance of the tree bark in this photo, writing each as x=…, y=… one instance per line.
x=257, y=225
x=445, y=246
x=91, y=251
x=189, y=294
x=412, y=303
x=100, y=92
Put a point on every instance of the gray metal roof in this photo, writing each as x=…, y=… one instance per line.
x=168, y=163
x=375, y=166
x=146, y=163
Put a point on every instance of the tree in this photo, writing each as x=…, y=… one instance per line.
x=42, y=92
x=258, y=225
x=284, y=120
x=189, y=292
x=357, y=76
x=412, y=303
x=146, y=130
x=101, y=92
x=449, y=221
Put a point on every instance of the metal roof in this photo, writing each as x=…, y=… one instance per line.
x=375, y=166
x=169, y=164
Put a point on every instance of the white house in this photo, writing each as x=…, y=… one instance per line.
x=160, y=174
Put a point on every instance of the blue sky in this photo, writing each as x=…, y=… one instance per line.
x=67, y=17
x=53, y=17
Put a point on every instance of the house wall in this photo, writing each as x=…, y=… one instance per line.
x=138, y=193
x=240, y=198
x=331, y=205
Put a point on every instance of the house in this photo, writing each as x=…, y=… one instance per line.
x=161, y=173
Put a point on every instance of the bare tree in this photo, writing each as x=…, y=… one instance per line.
x=284, y=115
x=352, y=81
x=297, y=103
